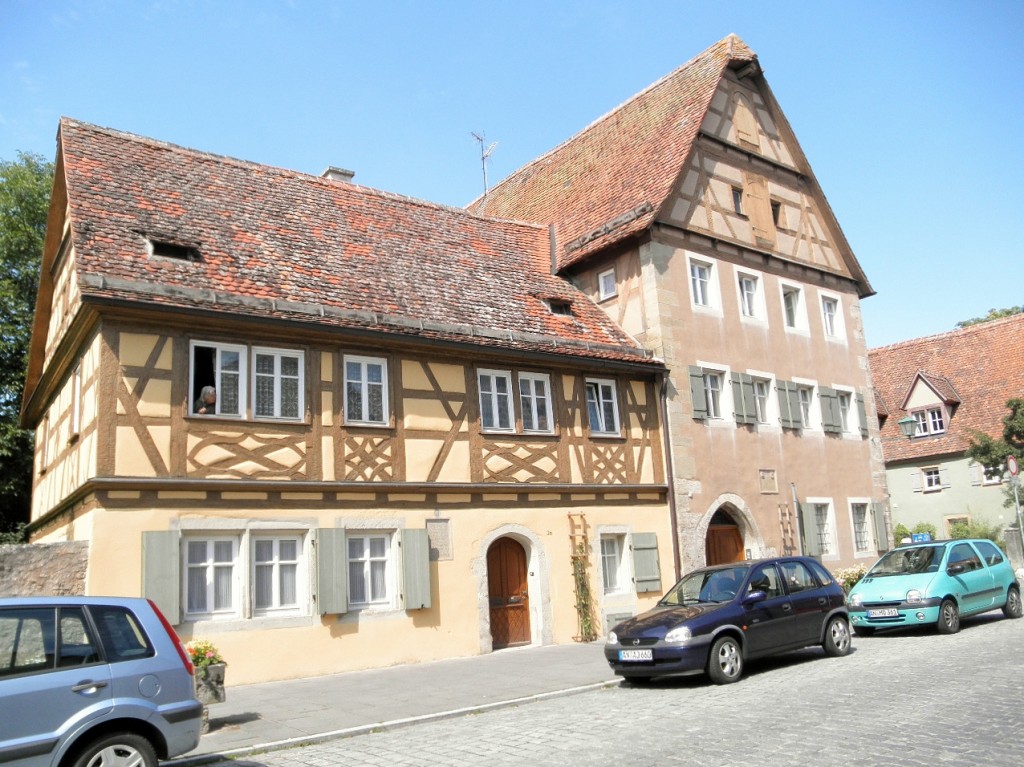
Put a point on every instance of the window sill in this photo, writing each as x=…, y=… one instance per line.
x=207, y=624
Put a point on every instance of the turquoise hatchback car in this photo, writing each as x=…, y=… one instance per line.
x=934, y=583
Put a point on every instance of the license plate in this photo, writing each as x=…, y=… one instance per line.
x=636, y=655
x=885, y=612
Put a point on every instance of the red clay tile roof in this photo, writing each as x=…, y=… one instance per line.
x=281, y=244
x=608, y=182
x=982, y=364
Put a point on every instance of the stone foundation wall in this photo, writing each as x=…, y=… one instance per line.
x=43, y=569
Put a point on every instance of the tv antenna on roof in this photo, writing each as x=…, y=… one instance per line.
x=484, y=154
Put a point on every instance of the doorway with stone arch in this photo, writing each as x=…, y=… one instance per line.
x=724, y=540
x=508, y=593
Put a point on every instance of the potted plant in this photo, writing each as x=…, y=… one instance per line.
x=209, y=671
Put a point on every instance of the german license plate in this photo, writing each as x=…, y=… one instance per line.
x=636, y=655
x=884, y=612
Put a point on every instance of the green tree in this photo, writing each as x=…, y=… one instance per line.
x=25, y=186
x=993, y=314
x=992, y=453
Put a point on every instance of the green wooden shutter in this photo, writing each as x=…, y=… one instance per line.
x=812, y=547
x=331, y=571
x=862, y=414
x=831, y=419
x=743, y=403
x=415, y=568
x=646, y=566
x=161, y=571
x=697, y=397
x=789, y=405
x=881, y=532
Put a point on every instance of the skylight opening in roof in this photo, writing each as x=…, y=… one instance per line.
x=557, y=306
x=164, y=249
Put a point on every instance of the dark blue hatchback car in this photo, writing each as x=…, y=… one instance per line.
x=717, y=618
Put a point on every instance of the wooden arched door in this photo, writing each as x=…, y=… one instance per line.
x=724, y=542
x=508, y=594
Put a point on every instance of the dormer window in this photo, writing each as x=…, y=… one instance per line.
x=929, y=421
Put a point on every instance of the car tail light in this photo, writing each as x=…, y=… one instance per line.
x=182, y=652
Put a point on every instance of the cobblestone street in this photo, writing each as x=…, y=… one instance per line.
x=911, y=698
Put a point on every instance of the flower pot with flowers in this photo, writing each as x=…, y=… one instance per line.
x=210, y=668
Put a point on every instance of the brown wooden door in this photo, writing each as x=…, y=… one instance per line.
x=506, y=587
x=724, y=544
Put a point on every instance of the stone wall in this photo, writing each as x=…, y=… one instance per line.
x=43, y=569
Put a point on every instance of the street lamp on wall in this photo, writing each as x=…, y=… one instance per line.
x=908, y=426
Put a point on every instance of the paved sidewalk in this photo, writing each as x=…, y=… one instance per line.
x=259, y=717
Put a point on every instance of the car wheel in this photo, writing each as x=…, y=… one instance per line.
x=1013, y=607
x=837, y=638
x=121, y=749
x=864, y=631
x=949, y=617
x=725, y=664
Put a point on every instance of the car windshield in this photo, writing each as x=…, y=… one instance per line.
x=916, y=559
x=705, y=586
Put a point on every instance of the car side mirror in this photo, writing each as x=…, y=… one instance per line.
x=955, y=569
x=753, y=598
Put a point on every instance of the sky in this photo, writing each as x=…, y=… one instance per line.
x=910, y=113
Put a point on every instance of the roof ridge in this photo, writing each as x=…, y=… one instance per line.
x=975, y=327
x=706, y=53
x=285, y=172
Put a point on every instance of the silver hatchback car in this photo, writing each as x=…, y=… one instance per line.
x=93, y=682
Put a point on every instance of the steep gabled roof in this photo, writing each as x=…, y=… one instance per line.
x=981, y=365
x=939, y=384
x=608, y=182
x=279, y=244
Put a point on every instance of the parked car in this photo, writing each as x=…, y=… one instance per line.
x=93, y=682
x=934, y=583
x=715, y=619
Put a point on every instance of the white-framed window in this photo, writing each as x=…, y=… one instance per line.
x=245, y=574
x=832, y=317
x=371, y=569
x=806, y=395
x=76, y=402
x=211, y=577
x=931, y=479
x=602, y=406
x=612, y=548
x=700, y=283
x=862, y=542
x=495, y=400
x=762, y=399
x=794, y=307
x=277, y=383
x=366, y=390
x=705, y=292
x=824, y=526
x=713, y=393
x=845, y=400
x=275, y=574
x=737, y=201
x=929, y=421
x=535, y=402
x=751, y=295
x=606, y=284
x=224, y=367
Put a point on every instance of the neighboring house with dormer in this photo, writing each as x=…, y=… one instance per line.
x=953, y=384
x=418, y=431
x=692, y=217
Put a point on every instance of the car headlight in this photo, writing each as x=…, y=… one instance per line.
x=856, y=600
x=613, y=638
x=914, y=596
x=678, y=634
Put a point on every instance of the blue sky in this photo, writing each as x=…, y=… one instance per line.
x=909, y=112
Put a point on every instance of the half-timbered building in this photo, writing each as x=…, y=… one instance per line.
x=419, y=442
x=691, y=215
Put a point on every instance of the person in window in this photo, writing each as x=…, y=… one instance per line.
x=207, y=402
